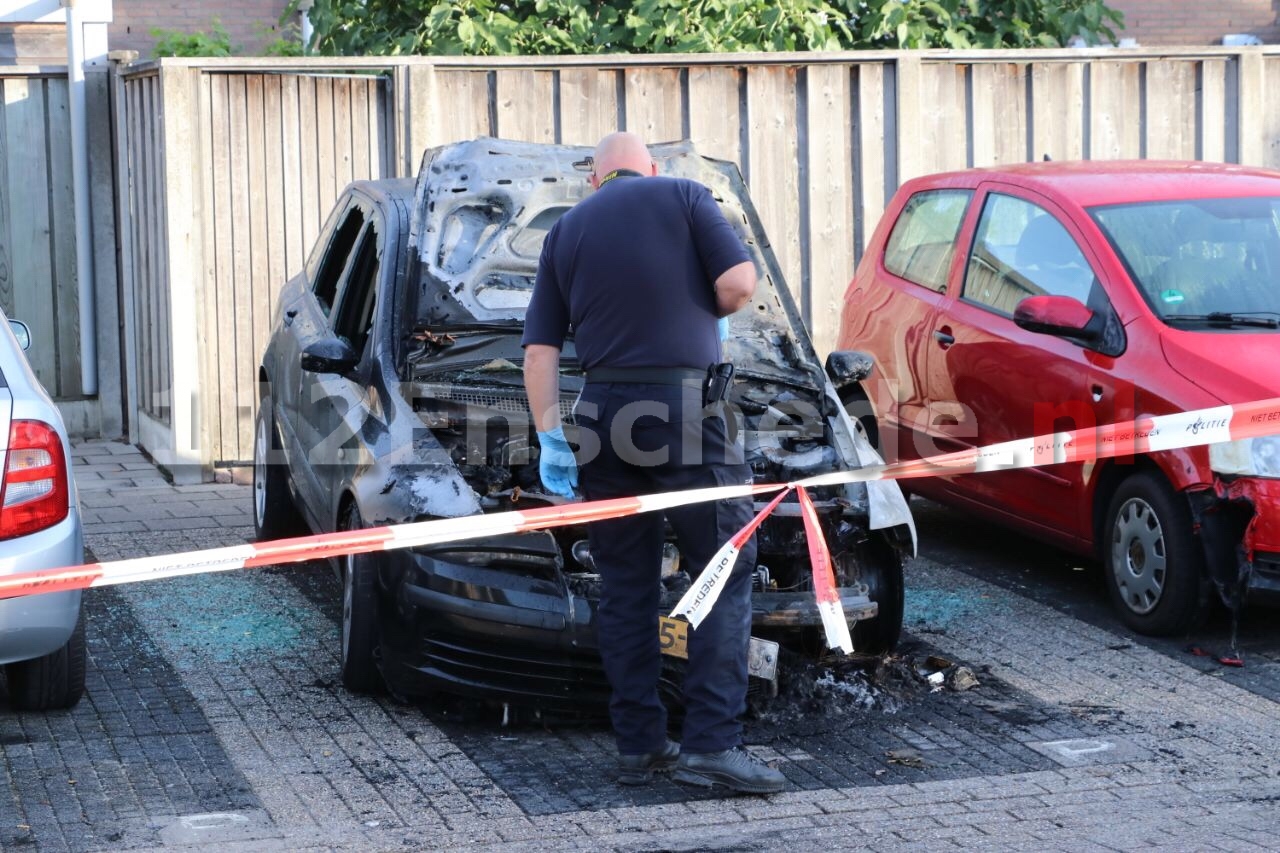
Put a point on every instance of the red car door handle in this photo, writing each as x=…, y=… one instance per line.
x=944, y=337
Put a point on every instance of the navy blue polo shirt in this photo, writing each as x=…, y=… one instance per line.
x=631, y=269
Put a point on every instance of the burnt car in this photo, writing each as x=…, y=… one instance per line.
x=392, y=391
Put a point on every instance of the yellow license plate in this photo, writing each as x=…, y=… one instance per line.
x=762, y=657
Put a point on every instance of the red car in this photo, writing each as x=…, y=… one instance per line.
x=1009, y=302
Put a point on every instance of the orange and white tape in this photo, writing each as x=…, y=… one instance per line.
x=834, y=625
x=703, y=593
x=1165, y=432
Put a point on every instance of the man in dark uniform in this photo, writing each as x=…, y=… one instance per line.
x=642, y=271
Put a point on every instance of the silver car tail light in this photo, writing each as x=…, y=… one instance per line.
x=34, y=494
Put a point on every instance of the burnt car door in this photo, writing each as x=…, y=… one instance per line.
x=283, y=360
x=336, y=403
x=992, y=381
x=313, y=332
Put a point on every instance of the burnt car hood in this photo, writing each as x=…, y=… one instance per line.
x=482, y=212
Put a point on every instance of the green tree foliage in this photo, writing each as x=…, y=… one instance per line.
x=531, y=27
x=961, y=24
x=178, y=43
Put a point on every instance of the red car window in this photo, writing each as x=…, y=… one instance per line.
x=1021, y=250
x=923, y=241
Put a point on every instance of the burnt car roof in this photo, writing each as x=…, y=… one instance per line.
x=483, y=207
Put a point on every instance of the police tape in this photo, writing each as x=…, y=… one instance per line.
x=1163, y=432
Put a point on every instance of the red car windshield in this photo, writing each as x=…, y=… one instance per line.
x=1201, y=262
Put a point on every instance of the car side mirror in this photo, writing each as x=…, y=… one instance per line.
x=329, y=355
x=21, y=332
x=846, y=367
x=1069, y=318
x=1057, y=315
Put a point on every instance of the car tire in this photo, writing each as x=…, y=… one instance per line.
x=52, y=682
x=274, y=513
x=1151, y=558
x=359, y=616
x=880, y=568
x=858, y=406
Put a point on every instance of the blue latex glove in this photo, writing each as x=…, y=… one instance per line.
x=556, y=465
x=722, y=325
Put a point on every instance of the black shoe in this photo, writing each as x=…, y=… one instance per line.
x=638, y=769
x=736, y=769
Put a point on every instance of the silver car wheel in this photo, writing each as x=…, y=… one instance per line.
x=261, y=452
x=1139, y=559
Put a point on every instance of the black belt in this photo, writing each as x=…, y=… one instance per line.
x=688, y=376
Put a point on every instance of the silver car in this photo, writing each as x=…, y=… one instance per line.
x=41, y=636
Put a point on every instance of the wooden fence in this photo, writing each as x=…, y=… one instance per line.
x=229, y=178
x=37, y=225
x=38, y=277
x=254, y=152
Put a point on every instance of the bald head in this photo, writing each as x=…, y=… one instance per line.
x=622, y=151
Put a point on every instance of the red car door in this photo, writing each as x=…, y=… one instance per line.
x=891, y=306
x=991, y=381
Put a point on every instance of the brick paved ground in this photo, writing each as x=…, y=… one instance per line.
x=213, y=717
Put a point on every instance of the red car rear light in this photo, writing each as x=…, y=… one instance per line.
x=35, y=490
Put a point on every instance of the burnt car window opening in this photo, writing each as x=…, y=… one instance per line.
x=923, y=241
x=1022, y=250
x=494, y=244
x=355, y=306
x=1200, y=261
x=325, y=283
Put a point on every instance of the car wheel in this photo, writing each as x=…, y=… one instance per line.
x=880, y=568
x=54, y=681
x=359, y=617
x=1153, y=562
x=274, y=513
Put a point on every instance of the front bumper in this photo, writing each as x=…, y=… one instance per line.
x=525, y=634
x=32, y=626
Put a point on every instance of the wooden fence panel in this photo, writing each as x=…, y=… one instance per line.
x=525, y=105
x=772, y=169
x=62, y=224
x=1057, y=122
x=1115, y=129
x=588, y=105
x=1171, y=110
x=146, y=233
x=870, y=154
x=227, y=205
x=273, y=186
x=999, y=125
x=1212, y=110
x=277, y=153
x=38, y=282
x=830, y=193
x=655, y=103
x=715, y=111
x=461, y=108
x=1270, y=114
x=943, y=129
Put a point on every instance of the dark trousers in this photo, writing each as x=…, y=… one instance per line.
x=627, y=553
